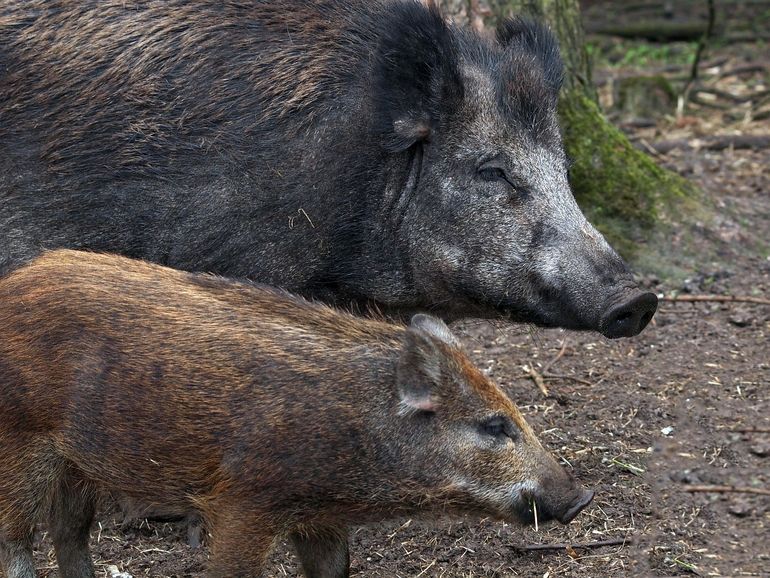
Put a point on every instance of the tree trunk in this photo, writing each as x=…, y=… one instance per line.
x=621, y=189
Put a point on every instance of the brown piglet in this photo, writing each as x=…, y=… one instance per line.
x=265, y=414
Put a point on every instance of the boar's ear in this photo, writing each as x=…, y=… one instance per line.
x=527, y=36
x=435, y=327
x=415, y=75
x=418, y=373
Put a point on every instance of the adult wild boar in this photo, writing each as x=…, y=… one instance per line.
x=267, y=414
x=351, y=151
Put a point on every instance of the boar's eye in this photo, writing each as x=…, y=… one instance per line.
x=497, y=427
x=493, y=174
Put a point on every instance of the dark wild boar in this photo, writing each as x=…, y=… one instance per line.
x=363, y=152
x=267, y=414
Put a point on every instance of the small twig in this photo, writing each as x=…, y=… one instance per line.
x=715, y=63
x=686, y=565
x=537, y=378
x=716, y=299
x=728, y=489
x=559, y=355
x=428, y=567
x=636, y=470
x=563, y=546
x=570, y=377
x=751, y=430
x=649, y=148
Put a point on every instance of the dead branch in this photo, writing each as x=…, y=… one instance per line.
x=564, y=546
x=700, y=101
x=755, y=67
x=736, y=98
x=723, y=94
x=751, y=430
x=712, y=143
x=728, y=489
x=716, y=299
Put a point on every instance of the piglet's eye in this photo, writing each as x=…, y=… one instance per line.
x=494, y=427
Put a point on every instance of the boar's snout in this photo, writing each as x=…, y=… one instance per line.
x=583, y=498
x=630, y=316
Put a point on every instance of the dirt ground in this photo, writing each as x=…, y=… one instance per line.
x=641, y=421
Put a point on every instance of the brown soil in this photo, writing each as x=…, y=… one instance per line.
x=639, y=420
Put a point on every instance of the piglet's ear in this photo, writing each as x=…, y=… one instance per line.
x=415, y=75
x=435, y=327
x=523, y=36
x=418, y=374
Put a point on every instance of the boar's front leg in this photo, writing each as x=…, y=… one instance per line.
x=72, y=513
x=323, y=551
x=16, y=553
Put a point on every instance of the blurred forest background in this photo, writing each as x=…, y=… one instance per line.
x=647, y=79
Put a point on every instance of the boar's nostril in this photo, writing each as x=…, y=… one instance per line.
x=577, y=506
x=623, y=317
x=630, y=317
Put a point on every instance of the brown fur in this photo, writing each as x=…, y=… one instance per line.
x=132, y=60
x=267, y=414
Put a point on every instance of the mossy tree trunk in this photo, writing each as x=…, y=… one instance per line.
x=622, y=190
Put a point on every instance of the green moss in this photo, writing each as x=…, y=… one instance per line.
x=622, y=191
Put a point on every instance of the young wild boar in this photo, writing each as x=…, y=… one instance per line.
x=353, y=151
x=265, y=413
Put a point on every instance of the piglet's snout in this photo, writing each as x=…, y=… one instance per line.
x=583, y=498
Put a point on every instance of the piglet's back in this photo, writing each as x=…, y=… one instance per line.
x=67, y=285
x=175, y=370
